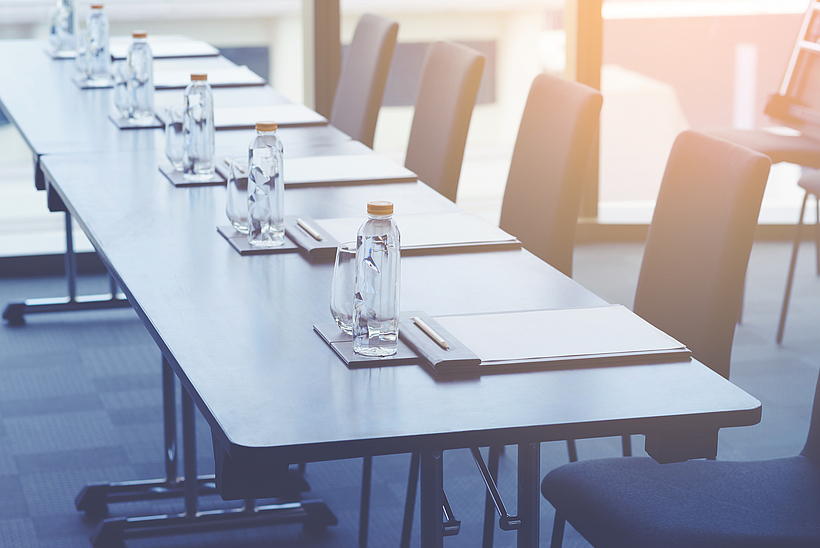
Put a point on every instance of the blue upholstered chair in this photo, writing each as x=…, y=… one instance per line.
x=363, y=78
x=444, y=105
x=691, y=287
x=636, y=502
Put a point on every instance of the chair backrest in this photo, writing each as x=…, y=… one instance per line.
x=361, y=84
x=694, y=266
x=444, y=106
x=549, y=166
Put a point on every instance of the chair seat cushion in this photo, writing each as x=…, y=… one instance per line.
x=636, y=502
x=795, y=149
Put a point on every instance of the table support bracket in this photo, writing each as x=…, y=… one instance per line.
x=94, y=499
x=15, y=313
x=505, y=521
x=313, y=514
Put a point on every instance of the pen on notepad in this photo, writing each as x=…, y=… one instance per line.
x=430, y=333
x=309, y=229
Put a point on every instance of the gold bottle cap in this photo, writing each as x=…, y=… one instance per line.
x=199, y=77
x=139, y=34
x=96, y=6
x=266, y=125
x=379, y=208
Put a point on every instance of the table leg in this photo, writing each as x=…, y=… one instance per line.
x=432, y=499
x=94, y=499
x=313, y=514
x=15, y=312
x=189, y=448
x=529, y=499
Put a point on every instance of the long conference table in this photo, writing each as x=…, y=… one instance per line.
x=237, y=330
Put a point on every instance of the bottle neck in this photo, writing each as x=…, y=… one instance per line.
x=379, y=217
x=265, y=133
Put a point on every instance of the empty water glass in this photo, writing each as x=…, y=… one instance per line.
x=81, y=56
x=174, y=136
x=341, y=289
x=121, y=98
x=236, y=206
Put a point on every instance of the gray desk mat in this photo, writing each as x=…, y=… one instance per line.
x=240, y=244
x=342, y=344
x=125, y=123
x=176, y=178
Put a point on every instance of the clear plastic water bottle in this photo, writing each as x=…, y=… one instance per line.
x=140, y=85
x=99, y=58
x=377, y=287
x=63, y=26
x=266, y=188
x=198, y=130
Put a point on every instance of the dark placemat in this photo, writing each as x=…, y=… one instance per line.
x=126, y=123
x=342, y=344
x=240, y=243
x=84, y=83
x=177, y=178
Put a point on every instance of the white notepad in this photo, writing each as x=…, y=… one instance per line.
x=224, y=77
x=290, y=115
x=428, y=231
x=573, y=336
x=164, y=47
x=344, y=170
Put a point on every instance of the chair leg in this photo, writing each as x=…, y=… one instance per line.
x=557, y=531
x=790, y=278
x=573, y=452
x=410, y=502
x=489, y=507
x=364, y=507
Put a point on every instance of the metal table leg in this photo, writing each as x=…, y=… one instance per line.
x=314, y=515
x=15, y=312
x=529, y=499
x=432, y=499
x=94, y=499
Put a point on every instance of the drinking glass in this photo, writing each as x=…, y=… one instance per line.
x=341, y=290
x=237, y=204
x=81, y=58
x=121, y=98
x=174, y=137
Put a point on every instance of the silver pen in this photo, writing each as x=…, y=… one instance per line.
x=431, y=333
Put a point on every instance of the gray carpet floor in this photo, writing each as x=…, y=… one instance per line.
x=80, y=402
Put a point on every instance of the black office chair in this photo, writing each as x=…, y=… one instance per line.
x=361, y=85
x=691, y=280
x=550, y=163
x=444, y=106
x=705, y=504
x=700, y=238
x=541, y=203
